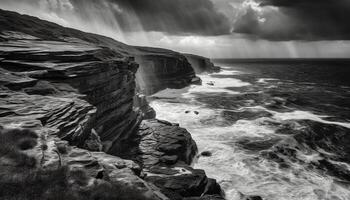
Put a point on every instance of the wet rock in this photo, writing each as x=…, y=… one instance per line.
x=210, y=83
x=140, y=102
x=253, y=198
x=206, y=197
x=206, y=154
x=77, y=90
x=187, y=111
x=196, y=112
x=160, y=141
x=165, y=151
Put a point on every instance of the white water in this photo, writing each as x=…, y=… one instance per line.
x=239, y=171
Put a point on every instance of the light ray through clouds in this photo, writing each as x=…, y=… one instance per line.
x=251, y=26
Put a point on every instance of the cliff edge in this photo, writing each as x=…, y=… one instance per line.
x=70, y=124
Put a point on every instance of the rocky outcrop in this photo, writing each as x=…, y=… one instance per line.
x=89, y=86
x=161, y=69
x=76, y=91
x=140, y=102
x=165, y=152
x=201, y=64
x=39, y=165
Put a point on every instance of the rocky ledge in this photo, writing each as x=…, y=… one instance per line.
x=68, y=108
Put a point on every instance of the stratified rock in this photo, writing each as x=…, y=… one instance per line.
x=89, y=82
x=201, y=64
x=165, y=151
x=159, y=142
x=161, y=69
x=77, y=90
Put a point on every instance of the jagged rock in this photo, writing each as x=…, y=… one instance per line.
x=86, y=80
x=165, y=151
x=42, y=155
x=157, y=142
x=140, y=101
x=78, y=89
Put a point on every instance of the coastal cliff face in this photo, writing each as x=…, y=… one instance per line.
x=201, y=64
x=161, y=69
x=99, y=87
x=76, y=93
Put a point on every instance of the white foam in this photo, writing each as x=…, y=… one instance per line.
x=304, y=115
x=229, y=72
x=235, y=169
x=300, y=115
x=211, y=84
x=265, y=80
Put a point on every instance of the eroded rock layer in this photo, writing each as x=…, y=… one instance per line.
x=76, y=91
x=201, y=64
x=161, y=69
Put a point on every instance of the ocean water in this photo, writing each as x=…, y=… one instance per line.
x=280, y=130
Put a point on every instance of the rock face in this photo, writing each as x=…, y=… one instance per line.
x=89, y=86
x=140, y=101
x=161, y=69
x=76, y=91
x=201, y=64
x=165, y=151
x=41, y=166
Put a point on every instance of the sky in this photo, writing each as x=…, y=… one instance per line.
x=211, y=28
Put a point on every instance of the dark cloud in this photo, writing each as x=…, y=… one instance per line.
x=179, y=16
x=175, y=17
x=298, y=20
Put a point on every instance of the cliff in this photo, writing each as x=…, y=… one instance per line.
x=161, y=69
x=201, y=64
x=68, y=108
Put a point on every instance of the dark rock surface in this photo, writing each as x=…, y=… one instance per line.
x=161, y=69
x=78, y=89
x=201, y=64
x=165, y=151
x=72, y=91
x=140, y=101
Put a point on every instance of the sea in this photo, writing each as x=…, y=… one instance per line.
x=279, y=129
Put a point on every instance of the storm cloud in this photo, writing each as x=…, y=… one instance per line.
x=297, y=20
x=175, y=17
x=178, y=16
